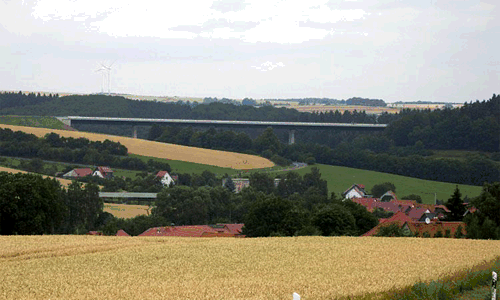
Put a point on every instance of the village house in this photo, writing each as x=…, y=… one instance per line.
x=417, y=228
x=355, y=191
x=165, y=178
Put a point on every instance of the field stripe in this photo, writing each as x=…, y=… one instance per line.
x=223, y=159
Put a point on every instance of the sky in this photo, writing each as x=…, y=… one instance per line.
x=413, y=50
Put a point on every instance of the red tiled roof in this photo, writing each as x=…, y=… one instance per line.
x=369, y=203
x=416, y=213
x=443, y=207
x=234, y=228
x=122, y=232
x=434, y=227
x=399, y=218
x=104, y=170
x=83, y=172
x=161, y=173
x=192, y=231
x=94, y=233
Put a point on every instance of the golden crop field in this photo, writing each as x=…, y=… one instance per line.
x=126, y=211
x=162, y=150
x=96, y=267
x=64, y=182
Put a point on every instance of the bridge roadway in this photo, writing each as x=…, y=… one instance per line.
x=292, y=126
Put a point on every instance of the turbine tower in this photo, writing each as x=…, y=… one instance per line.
x=103, y=82
x=108, y=68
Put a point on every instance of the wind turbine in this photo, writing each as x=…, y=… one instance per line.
x=103, y=78
x=108, y=68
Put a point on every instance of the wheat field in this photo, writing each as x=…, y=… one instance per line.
x=162, y=150
x=126, y=211
x=96, y=267
x=64, y=182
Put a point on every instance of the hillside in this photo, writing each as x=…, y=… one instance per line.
x=340, y=179
x=161, y=150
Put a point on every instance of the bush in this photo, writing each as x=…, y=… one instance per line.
x=310, y=160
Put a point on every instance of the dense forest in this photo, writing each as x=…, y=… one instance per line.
x=110, y=106
x=475, y=126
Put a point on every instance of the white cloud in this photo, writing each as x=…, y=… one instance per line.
x=280, y=21
x=268, y=66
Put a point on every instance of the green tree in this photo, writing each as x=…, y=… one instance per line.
x=392, y=230
x=270, y=214
x=262, y=182
x=364, y=219
x=456, y=206
x=30, y=204
x=268, y=141
x=334, y=220
x=230, y=184
x=413, y=197
x=379, y=189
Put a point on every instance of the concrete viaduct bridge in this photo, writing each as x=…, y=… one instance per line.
x=291, y=126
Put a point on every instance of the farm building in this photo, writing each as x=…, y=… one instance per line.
x=219, y=230
x=165, y=178
x=78, y=173
x=103, y=172
x=122, y=232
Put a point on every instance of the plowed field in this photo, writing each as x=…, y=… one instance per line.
x=162, y=150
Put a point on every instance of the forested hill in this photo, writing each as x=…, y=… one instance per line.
x=110, y=106
x=475, y=126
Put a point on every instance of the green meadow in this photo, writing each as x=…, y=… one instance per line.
x=30, y=121
x=341, y=178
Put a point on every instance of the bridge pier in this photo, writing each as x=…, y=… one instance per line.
x=134, y=132
x=291, y=137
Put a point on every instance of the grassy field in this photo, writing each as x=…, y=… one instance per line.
x=189, y=167
x=30, y=121
x=341, y=178
x=223, y=159
x=126, y=211
x=94, y=267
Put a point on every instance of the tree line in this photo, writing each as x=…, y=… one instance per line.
x=80, y=150
x=369, y=152
x=30, y=204
x=474, y=126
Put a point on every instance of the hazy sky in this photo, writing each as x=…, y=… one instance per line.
x=392, y=50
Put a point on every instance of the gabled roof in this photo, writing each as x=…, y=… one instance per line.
x=369, y=203
x=359, y=188
x=389, y=194
x=122, y=232
x=83, y=172
x=416, y=213
x=161, y=173
x=399, y=218
x=104, y=170
x=192, y=231
x=441, y=207
x=234, y=228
